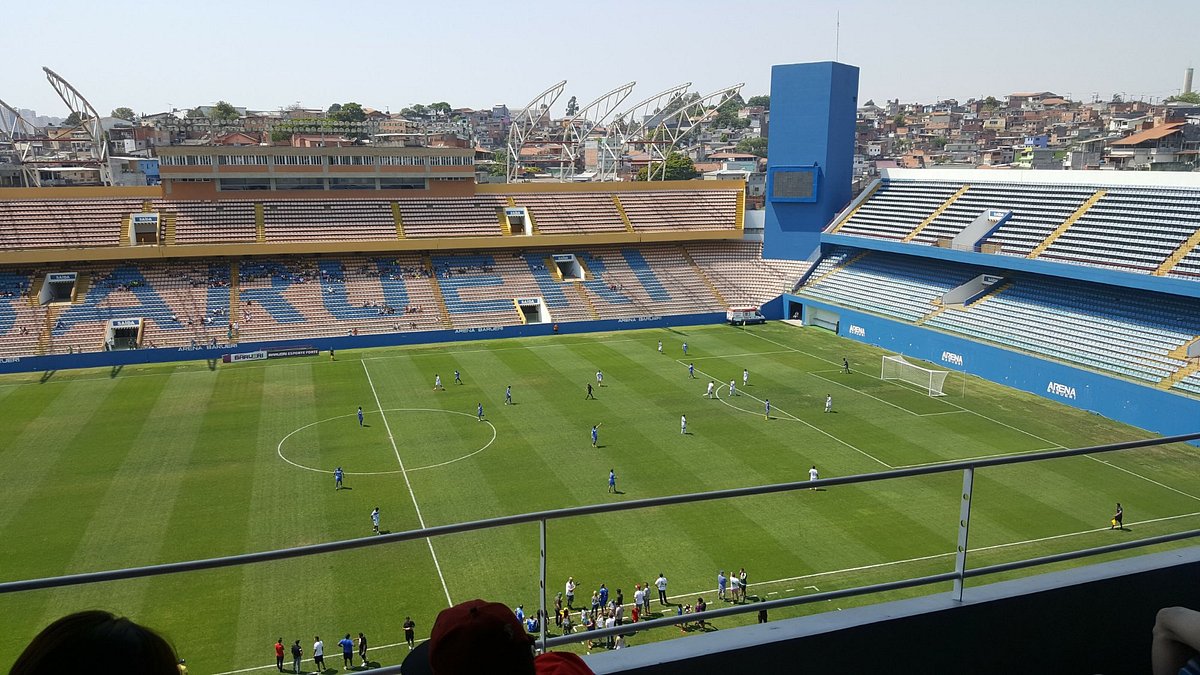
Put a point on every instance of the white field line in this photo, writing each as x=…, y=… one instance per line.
x=737, y=356
x=971, y=459
x=791, y=417
x=420, y=518
x=279, y=448
x=246, y=366
x=1138, y=475
x=947, y=402
x=816, y=575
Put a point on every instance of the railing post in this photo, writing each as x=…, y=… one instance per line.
x=964, y=525
x=545, y=618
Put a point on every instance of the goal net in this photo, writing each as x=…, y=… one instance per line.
x=896, y=368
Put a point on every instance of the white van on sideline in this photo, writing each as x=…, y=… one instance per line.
x=744, y=315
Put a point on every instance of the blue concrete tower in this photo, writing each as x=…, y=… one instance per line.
x=810, y=154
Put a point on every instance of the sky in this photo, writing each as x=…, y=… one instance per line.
x=265, y=55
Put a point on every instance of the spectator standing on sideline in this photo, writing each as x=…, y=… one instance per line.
x=742, y=580
x=347, y=646
x=735, y=589
x=297, y=656
x=570, y=589
x=279, y=651
x=646, y=598
x=409, y=632
x=721, y=581
x=362, y=649
x=1118, y=519
x=638, y=598
x=318, y=654
x=762, y=615
x=661, y=583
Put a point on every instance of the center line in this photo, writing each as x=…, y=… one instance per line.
x=403, y=472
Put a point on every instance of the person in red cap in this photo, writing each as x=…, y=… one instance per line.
x=485, y=637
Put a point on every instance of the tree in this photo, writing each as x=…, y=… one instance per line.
x=764, y=101
x=334, y=109
x=74, y=120
x=123, y=113
x=755, y=145
x=440, y=108
x=348, y=112
x=991, y=102
x=1186, y=97
x=572, y=107
x=727, y=114
x=899, y=120
x=419, y=110
x=194, y=113
x=677, y=167
x=223, y=112
x=938, y=142
x=499, y=165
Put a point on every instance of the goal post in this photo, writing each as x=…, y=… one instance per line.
x=895, y=367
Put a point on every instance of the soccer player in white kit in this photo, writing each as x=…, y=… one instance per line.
x=828, y=402
x=709, y=393
x=683, y=424
x=812, y=475
x=732, y=390
x=599, y=379
x=437, y=382
x=745, y=378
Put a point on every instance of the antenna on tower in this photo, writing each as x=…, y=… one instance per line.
x=837, y=36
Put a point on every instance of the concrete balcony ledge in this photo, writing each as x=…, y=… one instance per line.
x=1092, y=619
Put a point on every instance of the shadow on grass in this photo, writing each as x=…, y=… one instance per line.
x=46, y=376
x=115, y=371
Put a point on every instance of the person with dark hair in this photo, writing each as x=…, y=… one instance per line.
x=279, y=654
x=347, y=646
x=97, y=641
x=485, y=637
x=362, y=649
x=297, y=655
x=318, y=654
x=1118, y=519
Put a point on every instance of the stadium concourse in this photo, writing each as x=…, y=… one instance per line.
x=204, y=272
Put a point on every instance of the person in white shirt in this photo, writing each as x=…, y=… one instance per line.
x=711, y=385
x=570, y=589
x=319, y=654
x=745, y=378
x=683, y=424
x=732, y=390
x=661, y=583
x=639, y=596
x=812, y=475
x=660, y=346
x=828, y=402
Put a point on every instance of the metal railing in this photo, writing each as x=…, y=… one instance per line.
x=959, y=575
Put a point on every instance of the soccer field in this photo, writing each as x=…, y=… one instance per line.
x=110, y=469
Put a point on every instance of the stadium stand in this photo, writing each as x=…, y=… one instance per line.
x=1036, y=212
x=62, y=223
x=328, y=220
x=1188, y=267
x=1130, y=229
x=585, y=212
x=740, y=274
x=224, y=222
x=896, y=208
x=891, y=285
x=680, y=210
x=21, y=324
x=452, y=217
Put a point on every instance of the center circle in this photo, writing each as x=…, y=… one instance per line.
x=423, y=437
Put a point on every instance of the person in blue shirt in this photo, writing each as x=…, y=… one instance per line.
x=612, y=487
x=595, y=434
x=479, y=411
x=767, y=415
x=520, y=612
x=360, y=417
x=603, y=595
x=685, y=349
x=692, y=370
x=508, y=395
x=721, y=581
x=337, y=478
x=347, y=646
x=457, y=379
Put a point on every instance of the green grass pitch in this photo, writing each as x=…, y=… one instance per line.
x=155, y=464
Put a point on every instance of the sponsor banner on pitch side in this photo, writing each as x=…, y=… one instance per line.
x=288, y=352
x=244, y=356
